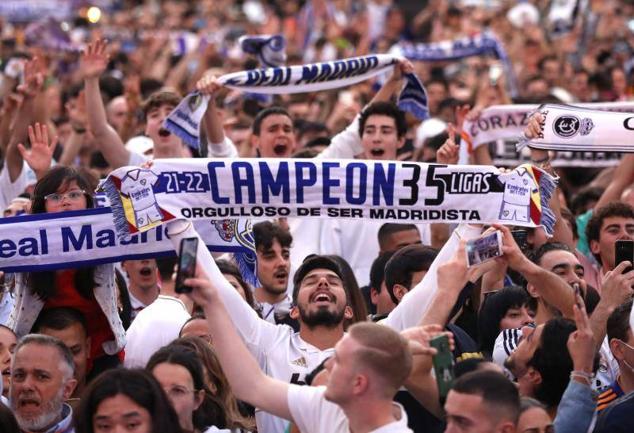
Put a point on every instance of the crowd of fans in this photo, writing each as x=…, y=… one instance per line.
x=339, y=333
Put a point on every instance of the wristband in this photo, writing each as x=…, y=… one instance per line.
x=587, y=377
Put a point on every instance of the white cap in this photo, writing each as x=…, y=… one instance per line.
x=522, y=14
x=427, y=129
x=140, y=144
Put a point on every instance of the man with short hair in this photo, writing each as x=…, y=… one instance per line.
x=379, y=296
x=41, y=380
x=69, y=326
x=406, y=269
x=394, y=236
x=541, y=363
x=143, y=284
x=272, y=246
x=482, y=402
x=612, y=222
x=368, y=366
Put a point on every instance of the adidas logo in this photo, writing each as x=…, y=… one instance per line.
x=300, y=362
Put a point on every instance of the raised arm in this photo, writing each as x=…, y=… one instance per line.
x=219, y=145
x=93, y=63
x=554, y=289
x=247, y=381
x=33, y=81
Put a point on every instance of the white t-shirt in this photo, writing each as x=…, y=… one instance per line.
x=314, y=414
x=155, y=326
x=137, y=184
x=10, y=190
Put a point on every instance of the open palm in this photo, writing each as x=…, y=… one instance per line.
x=94, y=60
x=40, y=155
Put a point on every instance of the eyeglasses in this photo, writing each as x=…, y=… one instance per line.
x=178, y=391
x=57, y=198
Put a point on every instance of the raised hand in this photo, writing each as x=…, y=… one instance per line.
x=33, y=78
x=616, y=287
x=452, y=275
x=208, y=85
x=581, y=342
x=94, y=60
x=40, y=155
x=402, y=68
x=449, y=151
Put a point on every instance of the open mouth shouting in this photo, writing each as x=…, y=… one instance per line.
x=323, y=297
x=164, y=132
x=377, y=152
x=145, y=271
x=280, y=149
x=281, y=275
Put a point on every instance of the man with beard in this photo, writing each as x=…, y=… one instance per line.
x=41, y=380
x=143, y=285
x=272, y=246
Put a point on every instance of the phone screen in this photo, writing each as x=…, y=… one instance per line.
x=443, y=365
x=624, y=252
x=484, y=248
x=186, y=264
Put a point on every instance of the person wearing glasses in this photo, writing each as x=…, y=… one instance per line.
x=91, y=290
x=180, y=373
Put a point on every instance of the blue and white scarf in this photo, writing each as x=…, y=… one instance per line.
x=52, y=241
x=270, y=51
x=184, y=120
x=566, y=127
x=381, y=190
x=482, y=44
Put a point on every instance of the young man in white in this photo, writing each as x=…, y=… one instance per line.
x=368, y=366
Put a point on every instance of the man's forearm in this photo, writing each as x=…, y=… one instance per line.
x=551, y=287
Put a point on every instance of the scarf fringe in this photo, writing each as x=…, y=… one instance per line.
x=116, y=204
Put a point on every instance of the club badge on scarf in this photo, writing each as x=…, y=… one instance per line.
x=379, y=190
x=566, y=127
x=482, y=44
x=507, y=122
x=87, y=238
x=185, y=119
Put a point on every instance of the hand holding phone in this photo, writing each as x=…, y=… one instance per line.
x=624, y=252
x=484, y=248
x=443, y=365
x=186, y=264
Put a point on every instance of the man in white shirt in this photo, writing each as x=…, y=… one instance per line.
x=143, y=284
x=369, y=364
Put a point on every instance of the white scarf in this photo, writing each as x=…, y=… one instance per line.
x=185, y=119
x=382, y=190
x=566, y=127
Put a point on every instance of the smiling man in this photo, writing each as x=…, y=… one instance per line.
x=41, y=380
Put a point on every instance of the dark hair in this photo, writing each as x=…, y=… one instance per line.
x=467, y=365
x=59, y=319
x=377, y=271
x=158, y=99
x=7, y=420
x=210, y=412
x=353, y=292
x=499, y=393
x=583, y=197
x=270, y=111
x=612, y=209
x=527, y=403
x=311, y=263
x=140, y=387
x=165, y=267
x=42, y=284
x=539, y=253
x=388, y=229
x=552, y=360
x=265, y=232
x=226, y=267
x=384, y=109
x=493, y=310
x=404, y=262
x=619, y=322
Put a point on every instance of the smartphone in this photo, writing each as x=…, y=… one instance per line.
x=443, y=365
x=495, y=72
x=484, y=248
x=186, y=264
x=624, y=252
x=521, y=238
